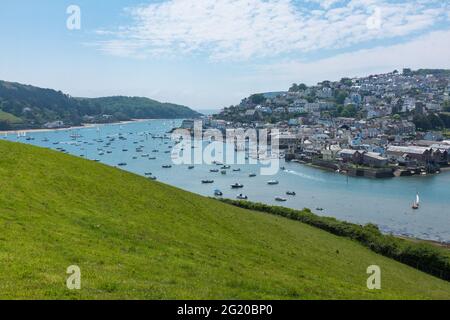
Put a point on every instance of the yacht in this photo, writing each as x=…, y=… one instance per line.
x=416, y=204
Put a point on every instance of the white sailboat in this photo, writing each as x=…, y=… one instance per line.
x=416, y=203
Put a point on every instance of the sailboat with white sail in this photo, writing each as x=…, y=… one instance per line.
x=416, y=204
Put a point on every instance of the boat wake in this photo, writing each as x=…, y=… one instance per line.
x=306, y=176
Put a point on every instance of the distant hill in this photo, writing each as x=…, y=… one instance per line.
x=25, y=106
x=139, y=239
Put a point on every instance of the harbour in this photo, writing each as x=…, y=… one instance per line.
x=385, y=202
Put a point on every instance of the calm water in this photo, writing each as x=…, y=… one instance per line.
x=384, y=202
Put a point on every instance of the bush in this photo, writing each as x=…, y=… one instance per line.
x=422, y=256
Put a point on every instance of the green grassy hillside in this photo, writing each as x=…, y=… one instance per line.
x=134, y=238
x=4, y=116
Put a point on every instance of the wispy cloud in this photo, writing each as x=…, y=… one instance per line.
x=245, y=29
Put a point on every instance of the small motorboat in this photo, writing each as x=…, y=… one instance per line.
x=122, y=164
x=280, y=199
x=273, y=182
x=225, y=167
x=319, y=209
x=252, y=175
x=152, y=178
x=237, y=186
x=167, y=166
x=291, y=193
x=191, y=167
x=207, y=181
x=242, y=197
x=214, y=170
x=224, y=172
x=218, y=193
x=148, y=173
x=236, y=170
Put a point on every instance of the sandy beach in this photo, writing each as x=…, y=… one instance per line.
x=84, y=126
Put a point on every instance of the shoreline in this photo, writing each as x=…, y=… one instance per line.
x=83, y=126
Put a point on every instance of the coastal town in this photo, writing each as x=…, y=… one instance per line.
x=386, y=125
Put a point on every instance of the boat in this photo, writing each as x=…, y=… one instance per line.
x=152, y=178
x=242, y=197
x=167, y=166
x=225, y=167
x=237, y=186
x=236, y=170
x=218, y=193
x=122, y=164
x=319, y=209
x=291, y=193
x=224, y=172
x=416, y=204
x=191, y=167
x=148, y=173
x=207, y=181
x=272, y=182
x=252, y=175
x=214, y=170
x=280, y=199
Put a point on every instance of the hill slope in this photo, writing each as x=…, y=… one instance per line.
x=32, y=107
x=134, y=238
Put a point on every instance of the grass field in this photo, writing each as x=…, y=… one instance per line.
x=9, y=117
x=138, y=239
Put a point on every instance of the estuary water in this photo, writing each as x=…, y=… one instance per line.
x=386, y=203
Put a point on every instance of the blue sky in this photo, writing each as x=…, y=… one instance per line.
x=210, y=54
